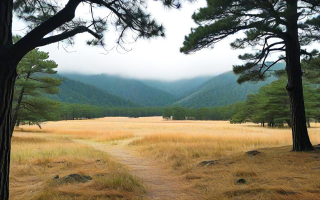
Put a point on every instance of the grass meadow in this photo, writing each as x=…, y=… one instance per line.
x=178, y=146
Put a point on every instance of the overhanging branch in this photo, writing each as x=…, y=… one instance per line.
x=65, y=35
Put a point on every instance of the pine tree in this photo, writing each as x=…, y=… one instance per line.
x=311, y=71
x=276, y=108
x=32, y=84
x=271, y=104
x=275, y=26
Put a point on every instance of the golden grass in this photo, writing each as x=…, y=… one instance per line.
x=276, y=173
x=182, y=148
x=36, y=160
x=78, y=129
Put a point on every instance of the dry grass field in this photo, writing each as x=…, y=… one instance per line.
x=177, y=146
x=37, y=158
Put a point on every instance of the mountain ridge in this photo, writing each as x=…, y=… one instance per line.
x=222, y=90
x=72, y=91
x=130, y=89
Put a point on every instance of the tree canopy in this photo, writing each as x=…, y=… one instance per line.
x=266, y=24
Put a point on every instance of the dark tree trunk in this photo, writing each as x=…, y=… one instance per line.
x=5, y=23
x=300, y=137
x=7, y=80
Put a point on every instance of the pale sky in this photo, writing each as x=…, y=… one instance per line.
x=149, y=59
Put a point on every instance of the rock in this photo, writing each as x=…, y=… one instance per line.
x=241, y=181
x=208, y=162
x=253, y=153
x=56, y=177
x=317, y=147
x=75, y=178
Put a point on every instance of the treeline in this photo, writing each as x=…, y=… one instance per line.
x=81, y=111
x=216, y=113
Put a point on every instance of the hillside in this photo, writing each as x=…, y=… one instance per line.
x=178, y=88
x=130, y=89
x=223, y=90
x=77, y=92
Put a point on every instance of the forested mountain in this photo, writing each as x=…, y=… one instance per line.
x=197, y=92
x=131, y=89
x=223, y=90
x=77, y=92
x=179, y=88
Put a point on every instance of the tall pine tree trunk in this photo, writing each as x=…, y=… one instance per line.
x=7, y=80
x=300, y=137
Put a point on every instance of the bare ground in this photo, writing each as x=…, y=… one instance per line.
x=160, y=183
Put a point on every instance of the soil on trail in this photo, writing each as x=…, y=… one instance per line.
x=160, y=184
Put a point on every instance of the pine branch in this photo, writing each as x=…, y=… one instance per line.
x=65, y=35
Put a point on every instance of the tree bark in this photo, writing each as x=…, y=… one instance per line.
x=7, y=80
x=6, y=23
x=300, y=137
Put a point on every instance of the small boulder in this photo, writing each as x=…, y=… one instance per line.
x=241, y=181
x=253, y=153
x=56, y=177
x=75, y=178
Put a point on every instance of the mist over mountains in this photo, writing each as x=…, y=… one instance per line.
x=115, y=91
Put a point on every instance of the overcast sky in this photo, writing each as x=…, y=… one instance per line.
x=149, y=59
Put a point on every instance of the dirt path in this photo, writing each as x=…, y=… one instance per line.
x=160, y=184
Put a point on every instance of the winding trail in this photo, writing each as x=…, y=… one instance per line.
x=161, y=185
